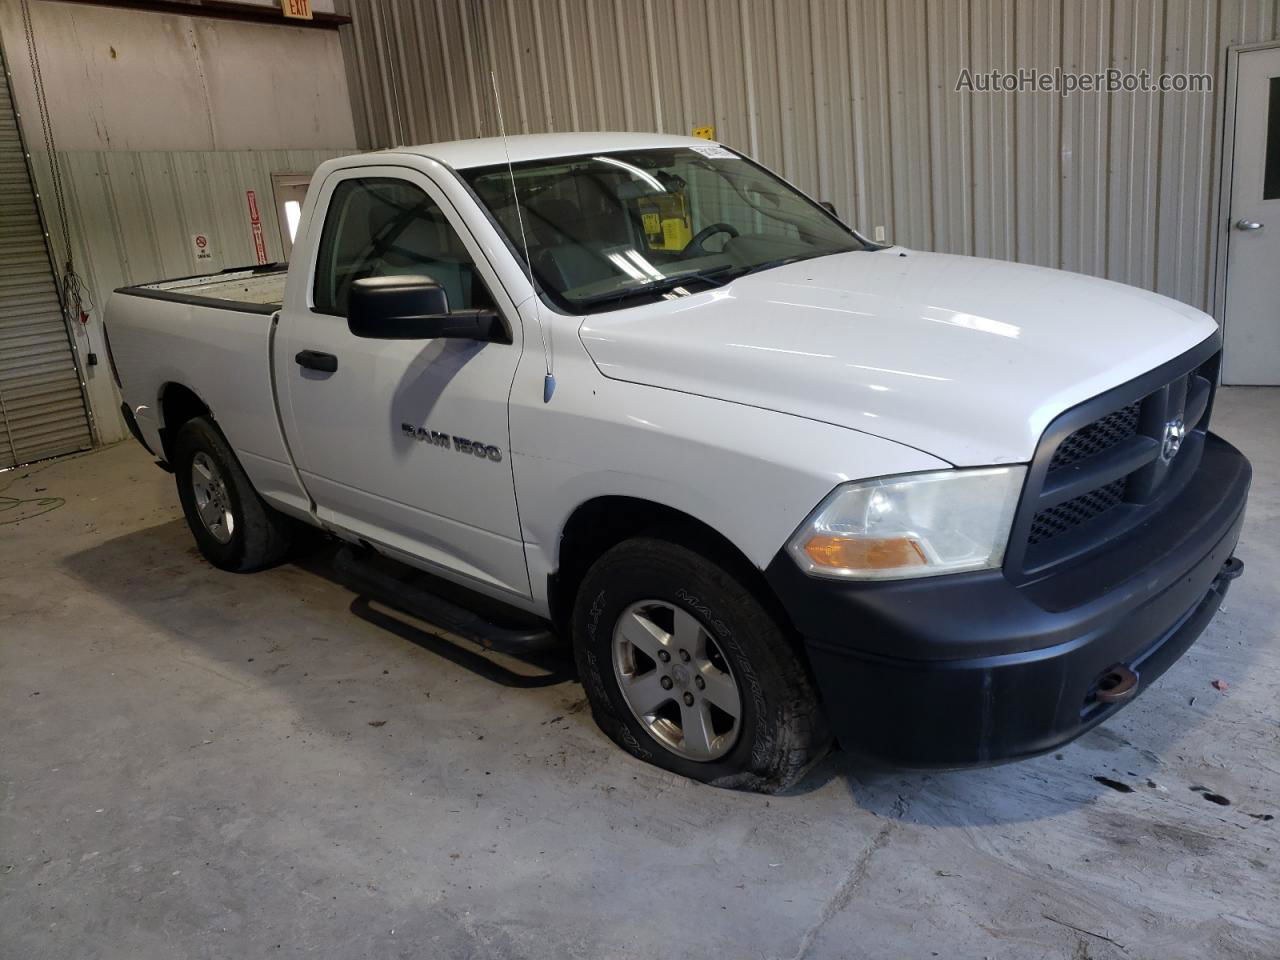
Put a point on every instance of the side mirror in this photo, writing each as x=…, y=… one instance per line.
x=414, y=308
x=830, y=207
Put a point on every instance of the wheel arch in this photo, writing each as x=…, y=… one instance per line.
x=178, y=404
x=598, y=524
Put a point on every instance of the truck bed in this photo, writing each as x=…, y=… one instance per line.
x=258, y=289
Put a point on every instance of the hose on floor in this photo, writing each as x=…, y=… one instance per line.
x=37, y=507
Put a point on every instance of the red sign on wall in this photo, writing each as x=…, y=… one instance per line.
x=255, y=225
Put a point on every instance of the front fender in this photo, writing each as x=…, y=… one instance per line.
x=752, y=475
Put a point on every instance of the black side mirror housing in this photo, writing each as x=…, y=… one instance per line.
x=414, y=308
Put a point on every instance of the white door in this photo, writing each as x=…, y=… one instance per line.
x=1251, y=354
x=385, y=442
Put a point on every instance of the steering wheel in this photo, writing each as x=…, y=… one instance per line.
x=707, y=232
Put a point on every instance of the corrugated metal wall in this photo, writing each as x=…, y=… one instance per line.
x=133, y=214
x=854, y=101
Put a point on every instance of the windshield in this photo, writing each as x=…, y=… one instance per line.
x=617, y=229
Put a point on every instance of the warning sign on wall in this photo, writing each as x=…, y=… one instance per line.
x=255, y=226
x=201, y=247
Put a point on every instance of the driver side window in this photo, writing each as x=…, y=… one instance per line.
x=381, y=227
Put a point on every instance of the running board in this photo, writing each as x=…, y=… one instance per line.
x=362, y=573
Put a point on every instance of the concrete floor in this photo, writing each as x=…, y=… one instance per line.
x=199, y=764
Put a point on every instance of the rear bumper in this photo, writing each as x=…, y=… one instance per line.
x=971, y=669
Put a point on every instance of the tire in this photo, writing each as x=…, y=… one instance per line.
x=645, y=587
x=208, y=474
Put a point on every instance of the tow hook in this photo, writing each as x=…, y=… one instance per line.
x=1232, y=568
x=1117, y=685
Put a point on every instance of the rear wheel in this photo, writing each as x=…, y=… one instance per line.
x=685, y=669
x=232, y=526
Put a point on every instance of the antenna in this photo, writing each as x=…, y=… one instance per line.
x=549, y=378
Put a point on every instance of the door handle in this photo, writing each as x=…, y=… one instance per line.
x=315, y=360
x=1249, y=225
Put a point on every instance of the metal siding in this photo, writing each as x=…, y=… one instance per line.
x=1086, y=42
x=1189, y=158
x=42, y=406
x=855, y=101
x=950, y=137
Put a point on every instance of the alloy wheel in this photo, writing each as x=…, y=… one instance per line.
x=676, y=680
x=213, y=503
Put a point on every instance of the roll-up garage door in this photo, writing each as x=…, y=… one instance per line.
x=42, y=407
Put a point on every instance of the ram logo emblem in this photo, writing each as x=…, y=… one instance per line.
x=1175, y=431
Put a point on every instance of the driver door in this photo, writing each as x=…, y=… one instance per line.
x=404, y=443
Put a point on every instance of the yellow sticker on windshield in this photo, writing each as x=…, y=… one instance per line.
x=675, y=233
x=664, y=217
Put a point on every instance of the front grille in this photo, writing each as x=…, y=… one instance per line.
x=1047, y=524
x=1104, y=466
x=1102, y=434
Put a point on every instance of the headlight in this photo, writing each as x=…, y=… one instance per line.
x=912, y=526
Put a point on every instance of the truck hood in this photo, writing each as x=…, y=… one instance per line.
x=963, y=358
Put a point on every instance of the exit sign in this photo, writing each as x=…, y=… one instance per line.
x=296, y=9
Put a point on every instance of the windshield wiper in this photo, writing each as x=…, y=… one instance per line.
x=780, y=262
x=715, y=278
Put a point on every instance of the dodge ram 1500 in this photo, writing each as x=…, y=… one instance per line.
x=776, y=483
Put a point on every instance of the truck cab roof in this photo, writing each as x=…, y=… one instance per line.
x=465, y=154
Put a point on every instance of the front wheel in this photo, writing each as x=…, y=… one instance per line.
x=233, y=527
x=685, y=669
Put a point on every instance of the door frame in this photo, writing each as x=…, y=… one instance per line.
x=286, y=180
x=1221, y=237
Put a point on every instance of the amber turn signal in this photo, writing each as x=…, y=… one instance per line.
x=864, y=553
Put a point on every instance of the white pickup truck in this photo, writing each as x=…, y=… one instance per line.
x=775, y=483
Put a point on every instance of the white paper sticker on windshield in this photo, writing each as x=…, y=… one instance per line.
x=715, y=152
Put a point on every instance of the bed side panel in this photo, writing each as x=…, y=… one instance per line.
x=221, y=355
